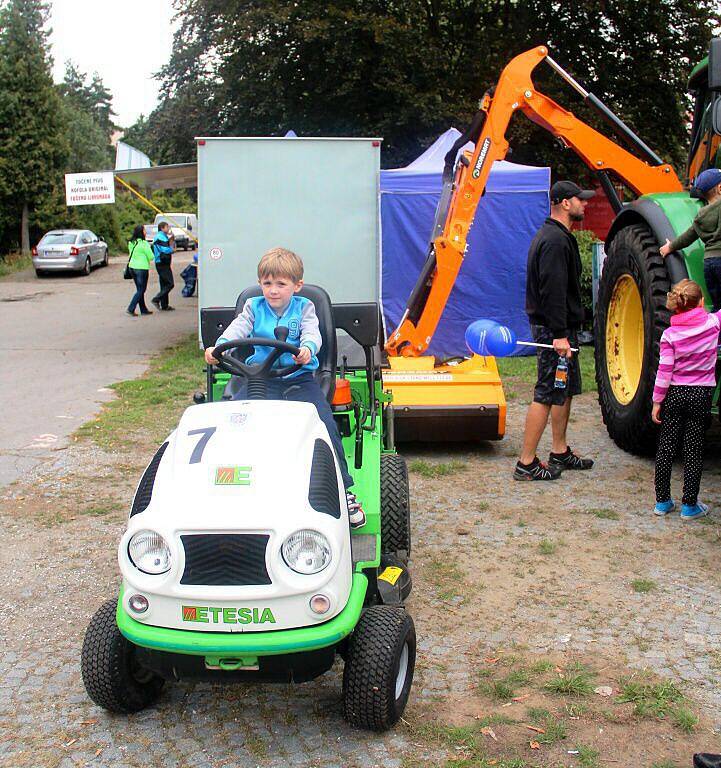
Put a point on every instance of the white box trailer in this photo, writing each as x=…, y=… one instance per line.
x=317, y=197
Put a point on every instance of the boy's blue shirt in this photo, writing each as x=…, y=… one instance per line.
x=161, y=244
x=258, y=319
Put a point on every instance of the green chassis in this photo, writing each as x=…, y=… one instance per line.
x=244, y=649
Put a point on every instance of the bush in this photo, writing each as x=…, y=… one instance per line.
x=586, y=239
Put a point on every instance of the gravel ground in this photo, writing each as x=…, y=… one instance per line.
x=499, y=568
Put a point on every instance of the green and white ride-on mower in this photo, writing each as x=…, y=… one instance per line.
x=238, y=562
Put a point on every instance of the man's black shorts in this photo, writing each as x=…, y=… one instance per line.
x=545, y=392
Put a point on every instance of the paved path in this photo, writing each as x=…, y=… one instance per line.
x=64, y=339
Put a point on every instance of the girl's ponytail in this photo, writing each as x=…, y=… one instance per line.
x=685, y=295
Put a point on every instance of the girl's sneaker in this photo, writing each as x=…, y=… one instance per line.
x=356, y=515
x=693, y=511
x=663, y=507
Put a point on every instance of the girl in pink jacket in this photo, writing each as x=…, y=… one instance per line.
x=682, y=396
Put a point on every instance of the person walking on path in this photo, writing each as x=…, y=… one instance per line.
x=141, y=257
x=163, y=251
x=555, y=311
x=707, y=226
x=682, y=395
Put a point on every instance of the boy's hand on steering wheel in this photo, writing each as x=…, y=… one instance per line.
x=209, y=356
x=304, y=357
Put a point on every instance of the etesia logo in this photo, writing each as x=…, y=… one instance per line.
x=232, y=475
x=212, y=615
x=481, y=158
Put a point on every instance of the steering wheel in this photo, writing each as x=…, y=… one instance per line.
x=260, y=371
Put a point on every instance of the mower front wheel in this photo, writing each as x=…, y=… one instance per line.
x=111, y=674
x=379, y=668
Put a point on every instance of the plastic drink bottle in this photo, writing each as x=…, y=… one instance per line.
x=561, y=373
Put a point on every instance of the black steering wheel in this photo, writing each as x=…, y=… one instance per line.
x=260, y=372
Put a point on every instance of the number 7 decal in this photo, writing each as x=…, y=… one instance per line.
x=197, y=454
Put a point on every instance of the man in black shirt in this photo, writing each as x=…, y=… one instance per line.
x=555, y=311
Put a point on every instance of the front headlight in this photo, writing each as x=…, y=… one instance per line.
x=149, y=553
x=306, y=552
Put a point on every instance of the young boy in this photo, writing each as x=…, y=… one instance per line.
x=280, y=274
x=707, y=226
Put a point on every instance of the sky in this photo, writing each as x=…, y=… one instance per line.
x=125, y=43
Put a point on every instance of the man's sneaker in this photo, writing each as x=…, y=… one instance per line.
x=536, y=470
x=356, y=515
x=168, y=309
x=156, y=302
x=568, y=460
x=693, y=511
x=663, y=507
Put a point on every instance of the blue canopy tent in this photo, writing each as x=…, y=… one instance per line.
x=492, y=279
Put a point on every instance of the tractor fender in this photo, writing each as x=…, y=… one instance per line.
x=648, y=212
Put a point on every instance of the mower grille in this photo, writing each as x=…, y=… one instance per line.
x=225, y=559
x=323, y=487
x=145, y=487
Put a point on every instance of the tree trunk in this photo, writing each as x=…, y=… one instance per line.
x=25, y=231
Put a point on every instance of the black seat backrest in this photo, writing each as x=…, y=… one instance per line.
x=325, y=375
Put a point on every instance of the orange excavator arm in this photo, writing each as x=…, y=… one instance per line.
x=463, y=186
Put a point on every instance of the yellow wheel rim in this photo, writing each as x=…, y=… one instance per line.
x=624, y=339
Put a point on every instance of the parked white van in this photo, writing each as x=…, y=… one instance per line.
x=184, y=227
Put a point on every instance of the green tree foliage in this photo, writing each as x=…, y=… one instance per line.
x=407, y=69
x=33, y=144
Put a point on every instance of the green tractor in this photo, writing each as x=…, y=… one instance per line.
x=631, y=314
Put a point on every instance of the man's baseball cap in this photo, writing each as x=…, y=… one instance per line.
x=563, y=190
x=708, y=179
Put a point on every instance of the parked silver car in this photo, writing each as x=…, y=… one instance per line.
x=70, y=249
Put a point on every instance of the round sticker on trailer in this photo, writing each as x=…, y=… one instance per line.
x=216, y=253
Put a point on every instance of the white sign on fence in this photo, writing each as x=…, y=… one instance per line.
x=89, y=188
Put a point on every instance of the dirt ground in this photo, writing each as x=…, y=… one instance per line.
x=539, y=608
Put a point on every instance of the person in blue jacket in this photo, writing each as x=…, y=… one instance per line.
x=280, y=274
x=163, y=252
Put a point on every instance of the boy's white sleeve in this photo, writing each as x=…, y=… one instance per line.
x=241, y=327
x=310, y=329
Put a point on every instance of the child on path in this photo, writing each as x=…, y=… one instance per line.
x=707, y=226
x=682, y=395
x=280, y=274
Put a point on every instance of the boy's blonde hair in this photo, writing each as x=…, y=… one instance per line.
x=280, y=262
x=685, y=295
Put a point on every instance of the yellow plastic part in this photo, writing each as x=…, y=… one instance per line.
x=624, y=339
x=417, y=381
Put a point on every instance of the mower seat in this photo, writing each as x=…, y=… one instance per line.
x=325, y=373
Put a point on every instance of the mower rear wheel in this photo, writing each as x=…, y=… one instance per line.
x=111, y=674
x=395, y=507
x=378, y=672
x=630, y=317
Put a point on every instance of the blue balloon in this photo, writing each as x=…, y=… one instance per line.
x=477, y=334
x=501, y=341
x=489, y=338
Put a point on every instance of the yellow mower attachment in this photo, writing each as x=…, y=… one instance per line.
x=451, y=402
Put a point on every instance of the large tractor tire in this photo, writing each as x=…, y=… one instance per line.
x=395, y=507
x=631, y=315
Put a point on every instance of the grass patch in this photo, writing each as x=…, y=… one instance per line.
x=257, y=747
x=14, y=262
x=665, y=764
x=604, y=514
x=466, y=742
x=446, y=577
x=587, y=756
x=575, y=681
x=684, y=719
x=547, y=547
x=554, y=730
x=524, y=369
x=151, y=404
x=643, y=586
x=426, y=469
x=658, y=700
